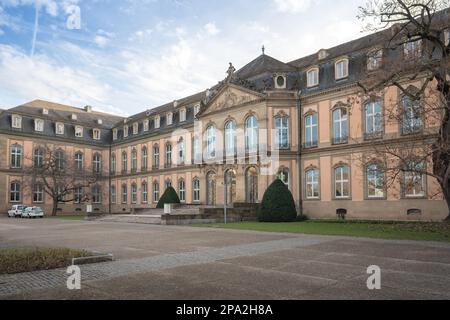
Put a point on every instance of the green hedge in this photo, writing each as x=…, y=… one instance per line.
x=170, y=196
x=278, y=204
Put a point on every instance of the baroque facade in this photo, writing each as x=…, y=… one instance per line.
x=269, y=119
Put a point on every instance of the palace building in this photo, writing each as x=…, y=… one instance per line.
x=297, y=112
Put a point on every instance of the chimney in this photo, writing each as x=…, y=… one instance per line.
x=88, y=109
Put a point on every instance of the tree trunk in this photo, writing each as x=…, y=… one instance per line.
x=55, y=208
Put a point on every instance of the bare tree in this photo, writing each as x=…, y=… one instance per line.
x=63, y=179
x=415, y=60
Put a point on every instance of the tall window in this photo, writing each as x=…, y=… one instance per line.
x=38, y=193
x=59, y=159
x=78, y=195
x=144, y=190
x=16, y=156
x=230, y=138
x=312, y=77
x=412, y=49
x=133, y=160
x=197, y=152
x=282, y=132
x=251, y=185
x=168, y=155
x=96, y=194
x=375, y=181
x=144, y=158
x=412, y=117
x=133, y=193
x=374, y=60
x=342, y=182
x=79, y=161
x=182, y=190
x=312, y=184
x=211, y=142
x=167, y=184
x=14, y=192
x=311, y=130
x=124, y=194
x=124, y=162
x=340, y=126
x=38, y=157
x=251, y=134
x=97, y=163
x=196, y=190
x=39, y=125
x=341, y=69
x=181, y=155
x=283, y=175
x=16, y=122
x=113, y=163
x=155, y=191
x=156, y=156
x=113, y=194
x=182, y=115
x=373, y=119
x=414, y=179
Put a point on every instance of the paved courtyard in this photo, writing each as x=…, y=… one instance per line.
x=164, y=262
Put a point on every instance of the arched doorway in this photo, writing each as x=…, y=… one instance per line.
x=230, y=182
x=251, y=185
x=211, y=188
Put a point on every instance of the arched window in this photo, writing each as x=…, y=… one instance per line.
x=144, y=198
x=412, y=117
x=96, y=194
x=283, y=175
x=78, y=195
x=251, y=134
x=197, y=151
x=340, y=126
x=97, y=163
x=167, y=184
x=113, y=163
x=196, y=190
x=79, y=162
x=373, y=119
x=312, y=184
x=113, y=194
x=312, y=77
x=211, y=188
x=375, y=181
x=251, y=185
x=282, y=132
x=38, y=157
x=182, y=190
x=342, y=182
x=211, y=142
x=15, y=192
x=16, y=156
x=124, y=162
x=414, y=179
x=155, y=191
x=133, y=160
x=230, y=138
x=133, y=193
x=168, y=159
x=341, y=69
x=59, y=159
x=156, y=156
x=124, y=194
x=38, y=193
x=144, y=158
x=311, y=130
x=181, y=154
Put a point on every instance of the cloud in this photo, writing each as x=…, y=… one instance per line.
x=51, y=6
x=102, y=38
x=293, y=6
x=211, y=29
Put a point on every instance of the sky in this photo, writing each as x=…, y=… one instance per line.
x=126, y=56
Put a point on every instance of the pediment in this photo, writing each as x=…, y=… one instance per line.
x=231, y=96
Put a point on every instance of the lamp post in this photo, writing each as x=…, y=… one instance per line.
x=226, y=197
x=299, y=147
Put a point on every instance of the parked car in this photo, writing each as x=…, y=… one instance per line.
x=16, y=211
x=33, y=212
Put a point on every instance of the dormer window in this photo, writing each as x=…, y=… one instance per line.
x=412, y=49
x=99, y=121
x=374, y=59
x=114, y=134
x=146, y=125
x=312, y=76
x=16, y=121
x=280, y=81
x=45, y=111
x=78, y=132
x=59, y=128
x=341, y=69
x=135, y=128
x=125, y=131
x=73, y=117
x=157, y=122
x=182, y=115
x=96, y=134
x=169, y=118
x=39, y=125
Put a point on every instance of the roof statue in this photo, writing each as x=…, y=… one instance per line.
x=231, y=70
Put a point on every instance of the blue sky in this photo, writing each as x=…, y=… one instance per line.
x=132, y=55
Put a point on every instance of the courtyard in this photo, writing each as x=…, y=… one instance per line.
x=169, y=262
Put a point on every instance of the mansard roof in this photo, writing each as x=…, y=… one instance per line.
x=261, y=65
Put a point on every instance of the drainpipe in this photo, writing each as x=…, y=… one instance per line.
x=109, y=181
x=299, y=147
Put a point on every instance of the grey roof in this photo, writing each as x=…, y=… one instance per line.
x=261, y=65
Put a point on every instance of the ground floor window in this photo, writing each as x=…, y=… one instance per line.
x=78, y=195
x=196, y=188
x=38, y=193
x=15, y=192
x=375, y=181
x=113, y=194
x=144, y=192
x=251, y=185
x=155, y=192
x=124, y=194
x=312, y=184
x=96, y=194
x=133, y=193
x=182, y=190
x=342, y=182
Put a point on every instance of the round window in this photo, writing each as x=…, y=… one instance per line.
x=280, y=81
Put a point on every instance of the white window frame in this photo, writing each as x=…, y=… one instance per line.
x=312, y=77
x=374, y=59
x=79, y=161
x=157, y=121
x=114, y=134
x=16, y=191
x=371, y=116
x=59, y=128
x=183, y=115
x=97, y=163
x=211, y=142
x=182, y=190
x=39, y=193
x=341, y=72
x=96, y=134
x=16, y=156
x=113, y=194
x=134, y=192
x=78, y=131
x=39, y=125
x=144, y=191
x=341, y=124
x=415, y=177
x=169, y=118
x=372, y=176
x=412, y=49
x=124, y=195
x=155, y=192
x=135, y=128
x=125, y=131
x=16, y=121
x=282, y=130
x=312, y=181
x=340, y=180
x=196, y=190
x=230, y=138
x=251, y=135
x=312, y=127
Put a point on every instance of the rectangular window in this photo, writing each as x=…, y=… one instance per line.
x=15, y=192
x=412, y=49
x=313, y=77
x=78, y=195
x=169, y=119
x=311, y=131
x=135, y=128
x=144, y=193
x=412, y=116
x=374, y=60
x=342, y=182
x=157, y=122
x=196, y=188
x=113, y=195
x=146, y=125
x=78, y=132
x=125, y=131
x=182, y=191
x=375, y=182
x=59, y=128
x=340, y=126
x=38, y=193
x=282, y=132
x=156, y=157
x=414, y=181
x=114, y=134
x=373, y=120
x=341, y=69
x=155, y=192
x=38, y=125
x=312, y=184
x=16, y=122
x=182, y=115
x=124, y=194
x=96, y=195
x=96, y=134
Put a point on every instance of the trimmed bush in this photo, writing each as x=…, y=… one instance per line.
x=278, y=204
x=170, y=196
